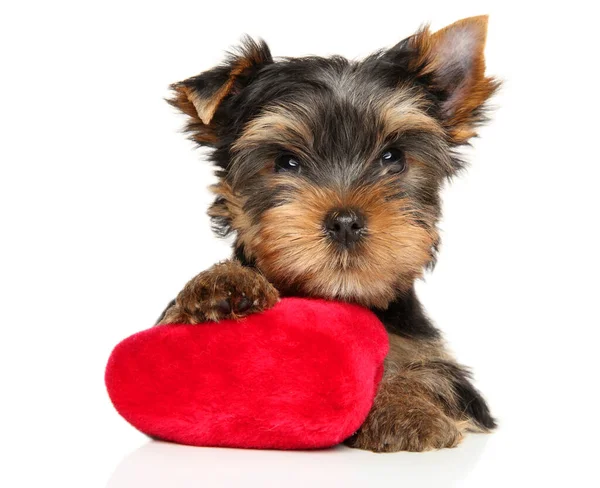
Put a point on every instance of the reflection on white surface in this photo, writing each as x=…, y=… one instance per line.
x=159, y=464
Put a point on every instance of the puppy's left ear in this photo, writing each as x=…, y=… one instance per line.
x=202, y=97
x=451, y=63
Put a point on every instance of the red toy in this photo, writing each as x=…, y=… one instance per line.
x=301, y=375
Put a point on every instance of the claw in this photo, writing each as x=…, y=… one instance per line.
x=224, y=307
x=243, y=305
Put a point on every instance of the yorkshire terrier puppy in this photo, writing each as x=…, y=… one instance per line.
x=329, y=177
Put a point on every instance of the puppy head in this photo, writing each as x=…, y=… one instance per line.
x=330, y=169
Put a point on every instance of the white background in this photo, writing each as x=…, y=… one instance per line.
x=103, y=220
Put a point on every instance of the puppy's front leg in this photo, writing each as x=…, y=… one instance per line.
x=227, y=290
x=425, y=401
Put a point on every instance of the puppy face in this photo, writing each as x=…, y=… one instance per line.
x=330, y=169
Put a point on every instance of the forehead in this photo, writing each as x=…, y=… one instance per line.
x=329, y=106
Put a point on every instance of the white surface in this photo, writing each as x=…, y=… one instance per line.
x=103, y=219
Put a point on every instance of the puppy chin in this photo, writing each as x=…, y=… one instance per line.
x=347, y=285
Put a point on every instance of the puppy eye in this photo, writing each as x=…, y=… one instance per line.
x=287, y=163
x=393, y=159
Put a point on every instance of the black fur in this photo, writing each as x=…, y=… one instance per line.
x=470, y=401
x=164, y=312
x=406, y=317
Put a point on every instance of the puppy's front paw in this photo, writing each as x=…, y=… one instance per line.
x=398, y=428
x=226, y=291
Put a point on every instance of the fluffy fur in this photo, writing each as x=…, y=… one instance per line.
x=296, y=140
x=301, y=375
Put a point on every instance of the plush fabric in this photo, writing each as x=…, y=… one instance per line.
x=301, y=375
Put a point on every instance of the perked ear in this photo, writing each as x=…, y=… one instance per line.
x=452, y=62
x=201, y=96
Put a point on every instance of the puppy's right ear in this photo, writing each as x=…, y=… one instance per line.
x=201, y=96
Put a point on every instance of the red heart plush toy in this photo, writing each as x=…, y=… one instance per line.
x=300, y=375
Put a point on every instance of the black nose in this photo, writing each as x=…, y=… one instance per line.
x=345, y=227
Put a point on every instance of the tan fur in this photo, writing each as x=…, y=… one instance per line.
x=404, y=418
x=182, y=99
x=404, y=351
x=201, y=109
x=289, y=244
x=281, y=124
x=226, y=291
x=415, y=408
x=404, y=111
x=414, y=360
x=290, y=125
x=232, y=208
x=292, y=249
x=206, y=107
x=461, y=108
